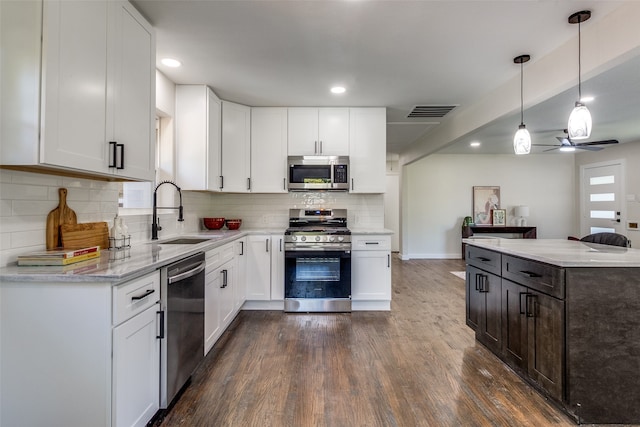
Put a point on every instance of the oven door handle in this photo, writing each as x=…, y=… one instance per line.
x=187, y=274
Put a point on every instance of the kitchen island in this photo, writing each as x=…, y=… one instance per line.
x=564, y=315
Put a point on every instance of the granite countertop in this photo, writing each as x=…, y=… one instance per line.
x=124, y=264
x=561, y=252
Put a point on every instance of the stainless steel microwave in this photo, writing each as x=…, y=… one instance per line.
x=318, y=173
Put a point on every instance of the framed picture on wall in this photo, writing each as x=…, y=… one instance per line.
x=485, y=199
x=498, y=217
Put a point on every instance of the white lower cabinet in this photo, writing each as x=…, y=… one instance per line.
x=221, y=298
x=265, y=267
x=259, y=268
x=212, y=329
x=240, y=288
x=80, y=353
x=136, y=369
x=371, y=272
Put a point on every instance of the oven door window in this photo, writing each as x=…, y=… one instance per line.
x=317, y=269
x=317, y=274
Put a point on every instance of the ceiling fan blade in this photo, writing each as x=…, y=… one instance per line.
x=564, y=140
x=590, y=148
x=550, y=149
x=605, y=142
x=545, y=145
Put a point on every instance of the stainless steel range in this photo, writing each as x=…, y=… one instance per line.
x=317, y=261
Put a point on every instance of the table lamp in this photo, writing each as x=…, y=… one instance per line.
x=521, y=212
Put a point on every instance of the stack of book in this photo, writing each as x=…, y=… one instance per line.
x=59, y=257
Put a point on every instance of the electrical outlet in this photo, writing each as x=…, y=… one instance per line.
x=632, y=225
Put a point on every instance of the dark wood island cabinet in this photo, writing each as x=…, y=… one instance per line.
x=566, y=320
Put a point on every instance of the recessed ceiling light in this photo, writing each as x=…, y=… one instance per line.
x=587, y=99
x=170, y=62
x=474, y=144
x=338, y=89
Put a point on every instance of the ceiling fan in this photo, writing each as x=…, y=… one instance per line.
x=566, y=144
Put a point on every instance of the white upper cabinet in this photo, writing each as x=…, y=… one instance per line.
x=94, y=112
x=198, y=138
x=367, y=150
x=236, y=151
x=268, y=150
x=133, y=103
x=318, y=131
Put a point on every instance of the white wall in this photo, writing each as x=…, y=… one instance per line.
x=631, y=208
x=437, y=195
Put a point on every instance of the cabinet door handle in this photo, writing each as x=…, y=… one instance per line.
x=372, y=243
x=529, y=273
x=143, y=296
x=114, y=154
x=483, y=259
x=221, y=182
x=477, y=282
x=248, y=183
x=388, y=261
x=241, y=247
x=530, y=313
x=352, y=187
x=320, y=147
x=161, y=328
x=266, y=245
x=121, y=146
x=284, y=183
x=280, y=245
x=484, y=281
x=520, y=302
x=224, y=278
x=315, y=149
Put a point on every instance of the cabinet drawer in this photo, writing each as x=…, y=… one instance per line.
x=218, y=256
x=135, y=296
x=484, y=259
x=371, y=243
x=542, y=277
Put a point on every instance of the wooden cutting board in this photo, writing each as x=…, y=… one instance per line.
x=78, y=236
x=63, y=214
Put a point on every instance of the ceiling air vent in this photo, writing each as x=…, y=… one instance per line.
x=431, y=111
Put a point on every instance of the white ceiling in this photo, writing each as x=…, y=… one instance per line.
x=396, y=54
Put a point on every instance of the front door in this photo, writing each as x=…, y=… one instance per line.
x=601, y=201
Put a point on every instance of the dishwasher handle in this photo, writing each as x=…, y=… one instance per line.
x=187, y=274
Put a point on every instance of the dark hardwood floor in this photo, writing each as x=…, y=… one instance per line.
x=417, y=365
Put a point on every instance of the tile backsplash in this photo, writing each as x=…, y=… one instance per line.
x=26, y=199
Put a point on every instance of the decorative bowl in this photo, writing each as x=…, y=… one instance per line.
x=213, y=223
x=233, y=224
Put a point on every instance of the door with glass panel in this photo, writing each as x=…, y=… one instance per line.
x=601, y=201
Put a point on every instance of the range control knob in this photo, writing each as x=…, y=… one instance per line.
x=332, y=238
x=318, y=238
x=303, y=238
x=294, y=238
x=340, y=239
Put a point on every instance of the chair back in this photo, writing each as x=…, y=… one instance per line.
x=613, y=239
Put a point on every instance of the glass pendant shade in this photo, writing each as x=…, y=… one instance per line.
x=522, y=141
x=579, y=126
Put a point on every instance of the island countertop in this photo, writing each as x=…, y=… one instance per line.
x=561, y=252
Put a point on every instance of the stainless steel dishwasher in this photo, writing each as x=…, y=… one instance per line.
x=182, y=299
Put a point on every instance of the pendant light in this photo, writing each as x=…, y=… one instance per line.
x=522, y=139
x=579, y=126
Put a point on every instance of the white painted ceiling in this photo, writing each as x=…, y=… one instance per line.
x=396, y=54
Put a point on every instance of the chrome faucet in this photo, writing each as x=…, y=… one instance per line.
x=155, y=227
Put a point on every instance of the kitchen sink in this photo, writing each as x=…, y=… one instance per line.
x=184, y=241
